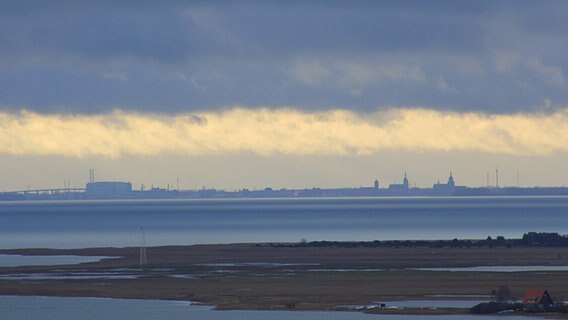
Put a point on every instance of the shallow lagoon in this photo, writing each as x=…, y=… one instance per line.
x=53, y=308
x=16, y=260
x=499, y=269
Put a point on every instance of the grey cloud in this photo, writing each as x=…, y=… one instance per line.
x=314, y=29
x=95, y=35
x=173, y=56
x=98, y=30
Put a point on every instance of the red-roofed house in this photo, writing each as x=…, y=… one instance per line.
x=537, y=300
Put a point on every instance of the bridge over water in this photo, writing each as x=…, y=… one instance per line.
x=44, y=191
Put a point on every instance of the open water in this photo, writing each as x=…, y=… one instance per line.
x=110, y=309
x=16, y=260
x=117, y=223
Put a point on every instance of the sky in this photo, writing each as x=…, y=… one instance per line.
x=296, y=94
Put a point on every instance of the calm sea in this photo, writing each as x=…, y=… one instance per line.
x=117, y=223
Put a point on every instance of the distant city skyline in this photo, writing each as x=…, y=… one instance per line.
x=254, y=94
x=75, y=179
x=112, y=189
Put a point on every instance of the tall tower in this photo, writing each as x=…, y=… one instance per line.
x=451, y=180
x=143, y=257
x=497, y=178
x=91, y=175
x=405, y=181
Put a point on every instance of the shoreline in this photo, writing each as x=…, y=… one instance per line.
x=265, y=277
x=82, y=194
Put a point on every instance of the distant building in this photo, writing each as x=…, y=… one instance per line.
x=108, y=189
x=445, y=188
x=400, y=187
x=537, y=300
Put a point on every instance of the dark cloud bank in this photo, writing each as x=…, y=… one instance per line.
x=173, y=56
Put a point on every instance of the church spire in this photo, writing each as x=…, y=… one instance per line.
x=451, y=180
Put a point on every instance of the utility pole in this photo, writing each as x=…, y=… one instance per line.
x=143, y=257
x=91, y=175
x=497, y=178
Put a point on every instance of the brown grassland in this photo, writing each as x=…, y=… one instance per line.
x=259, y=276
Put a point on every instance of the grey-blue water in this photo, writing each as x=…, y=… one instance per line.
x=500, y=269
x=423, y=304
x=25, y=308
x=16, y=260
x=117, y=223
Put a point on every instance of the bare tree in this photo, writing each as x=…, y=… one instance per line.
x=503, y=294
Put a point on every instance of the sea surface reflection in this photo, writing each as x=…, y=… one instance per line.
x=80, y=224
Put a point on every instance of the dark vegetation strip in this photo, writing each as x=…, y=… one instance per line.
x=531, y=239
